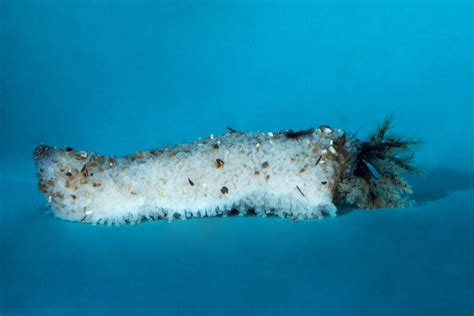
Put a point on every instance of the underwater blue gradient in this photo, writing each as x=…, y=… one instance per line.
x=117, y=76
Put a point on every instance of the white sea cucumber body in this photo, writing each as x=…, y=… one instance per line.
x=270, y=173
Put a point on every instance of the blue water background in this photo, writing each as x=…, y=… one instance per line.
x=119, y=76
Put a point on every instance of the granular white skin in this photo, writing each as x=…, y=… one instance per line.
x=295, y=175
x=287, y=174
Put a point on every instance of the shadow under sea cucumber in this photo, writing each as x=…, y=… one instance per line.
x=297, y=175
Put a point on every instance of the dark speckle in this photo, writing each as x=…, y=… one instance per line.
x=215, y=146
x=224, y=190
x=324, y=182
x=219, y=163
x=42, y=151
x=294, y=135
x=319, y=159
x=300, y=191
x=190, y=182
x=43, y=187
x=267, y=177
x=84, y=171
x=69, y=149
x=265, y=164
x=251, y=212
x=69, y=174
x=233, y=212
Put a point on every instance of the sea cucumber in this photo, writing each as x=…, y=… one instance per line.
x=297, y=175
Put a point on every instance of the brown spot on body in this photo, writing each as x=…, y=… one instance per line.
x=96, y=184
x=302, y=170
x=267, y=177
x=42, y=151
x=85, y=171
x=219, y=163
x=256, y=173
x=43, y=187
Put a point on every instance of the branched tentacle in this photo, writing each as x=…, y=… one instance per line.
x=392, y=157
